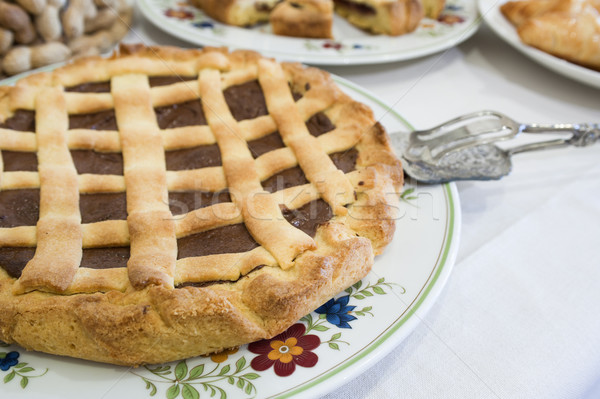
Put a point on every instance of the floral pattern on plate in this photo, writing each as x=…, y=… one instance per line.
x=279, y=356
x=15, y=370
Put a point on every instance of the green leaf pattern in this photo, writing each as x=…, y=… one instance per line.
x=357, y=290
x=21, y=372
x=187, y=383
x=205, y=379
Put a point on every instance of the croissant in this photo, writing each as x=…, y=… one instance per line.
x=569, y=29
x=517, y=12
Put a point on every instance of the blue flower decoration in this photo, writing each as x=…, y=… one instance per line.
x=337, y=311
x=7, y=360
x=204, y=24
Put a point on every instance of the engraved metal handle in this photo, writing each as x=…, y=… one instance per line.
x=582, y=135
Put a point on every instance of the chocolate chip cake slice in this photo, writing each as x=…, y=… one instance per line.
x=391, y=17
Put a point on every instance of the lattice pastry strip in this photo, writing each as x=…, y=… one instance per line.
x=222, y=266
x=315, y=163
x=152, y=230
x=261, y=214
x=14, y=180
x=59, y=206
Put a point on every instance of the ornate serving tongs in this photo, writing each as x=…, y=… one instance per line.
x=464, y=148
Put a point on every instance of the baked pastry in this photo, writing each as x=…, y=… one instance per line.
x=517, y=12
x=569, y=29
x=167, y=203
x=391, y=17
x=237, y=12
x=303, y=18
x=433, y=8
x=313, y=18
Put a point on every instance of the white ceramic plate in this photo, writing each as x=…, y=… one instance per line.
x=379, y=312
x=490, y=11
x=459, y=21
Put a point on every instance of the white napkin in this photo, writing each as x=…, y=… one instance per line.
x=519, y=317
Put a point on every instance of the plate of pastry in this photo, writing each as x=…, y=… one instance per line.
x=320, y=32
x=562, y=35
x=212, y=218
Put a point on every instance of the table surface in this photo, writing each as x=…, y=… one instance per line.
x=518, y=317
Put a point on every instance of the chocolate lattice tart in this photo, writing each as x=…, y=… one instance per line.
x=167, y=203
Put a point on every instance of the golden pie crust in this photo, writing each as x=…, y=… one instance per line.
x=148, y=312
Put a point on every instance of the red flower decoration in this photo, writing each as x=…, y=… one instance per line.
x=450, y=19
x=180, y=14
x=285, y=350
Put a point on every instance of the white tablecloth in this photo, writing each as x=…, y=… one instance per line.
x=519, y=315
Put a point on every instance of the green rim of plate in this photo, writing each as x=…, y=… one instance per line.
x=443, y=262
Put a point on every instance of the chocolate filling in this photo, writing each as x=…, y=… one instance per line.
x=193, y=158
x=265, y=144
x=181, y=202
x=319, y=124
x=246, y=101
x=91, y=87
x=359, y=8
x=22, y=120
x=19, y=207
x=104, y=87
x=222, y=240
x=99, y=163
x=285, y=179
x=103, y=120
x=343, y=160
x=13, y=260
x=103, y=206
x=189, y=113
x=308, y=217
x=168, y=80
x=19, y=161
x=105, y=258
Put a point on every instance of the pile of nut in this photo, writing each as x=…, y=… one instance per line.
x=35, y=33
